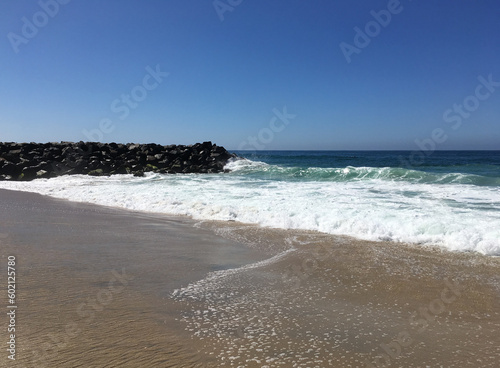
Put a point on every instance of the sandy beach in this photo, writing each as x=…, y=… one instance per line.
x=101, y=287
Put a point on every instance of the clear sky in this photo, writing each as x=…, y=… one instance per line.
x=281, y=74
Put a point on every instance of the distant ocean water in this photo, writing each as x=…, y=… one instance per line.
x=452, y=199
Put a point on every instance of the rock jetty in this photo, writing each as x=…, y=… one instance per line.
x=28, y=161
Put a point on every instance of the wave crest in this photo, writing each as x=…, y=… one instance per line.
x=350, y=173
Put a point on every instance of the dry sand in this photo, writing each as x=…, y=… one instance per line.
x=99, y=287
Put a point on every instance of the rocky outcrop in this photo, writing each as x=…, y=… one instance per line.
x=28, y=161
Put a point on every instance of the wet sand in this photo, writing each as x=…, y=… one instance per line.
x=100, y=287
x=94, y=283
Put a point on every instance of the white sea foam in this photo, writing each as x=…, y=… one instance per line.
x=456, y=216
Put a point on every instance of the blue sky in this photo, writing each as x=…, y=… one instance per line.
x=78, y=70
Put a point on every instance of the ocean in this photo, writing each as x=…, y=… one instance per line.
x=451, y=199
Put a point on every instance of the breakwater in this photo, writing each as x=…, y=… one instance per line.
x=28, y=161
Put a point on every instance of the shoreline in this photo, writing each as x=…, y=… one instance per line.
x=423, y=246
x=332, y=299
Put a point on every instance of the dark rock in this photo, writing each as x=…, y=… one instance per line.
x=150, y=167
x=42, y=174
x=96, y=172
x=27, y=161
x=10, y=169
x=122, y=169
